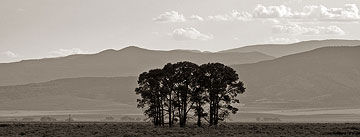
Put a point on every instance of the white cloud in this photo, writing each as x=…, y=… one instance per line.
x=189, y=34
x=349, y=12
x=196, y=18
x=174, y=16
x=10, y=54
x=278, y=40
x=271, y=12
x=233, y=15
x=310, y=12
x=171, y=16
x=273, y=21
x=296, y=29
x=66, y=52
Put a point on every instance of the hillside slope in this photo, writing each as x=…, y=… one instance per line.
x=130, y=61
x=279, y=50
x=71, y=94
x=321, y=78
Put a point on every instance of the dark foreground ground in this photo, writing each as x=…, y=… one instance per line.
x=145, y=129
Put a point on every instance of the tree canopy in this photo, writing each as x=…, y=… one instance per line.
x=184, y=89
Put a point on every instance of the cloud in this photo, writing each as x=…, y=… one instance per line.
x=279, y=40
x=261, y=11
x=66, y=52
x=348, y=12
x=309, y=12
x=10, y=54
x=182, y=34
x=195, y=18
x=233, y=15
x=174, y=16
x=274, y=21
x=296, y=29
x=171, y=16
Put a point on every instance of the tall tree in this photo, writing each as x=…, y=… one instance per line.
x=169, y=72
x=184, y=87
x=222, y=85
x=198, y=97
x=184, y=80
x=152, y=94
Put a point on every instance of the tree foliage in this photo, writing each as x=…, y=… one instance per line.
x=177, y=90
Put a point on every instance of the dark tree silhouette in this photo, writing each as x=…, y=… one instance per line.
x=222, y=85
x=184, y=87
x=152, y=94
x=198, y=97
x=184, y=83
x=169, y=72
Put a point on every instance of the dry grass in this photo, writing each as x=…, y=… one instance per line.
x=145, y=129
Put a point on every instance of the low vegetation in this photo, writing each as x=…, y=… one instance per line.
x=145, y=129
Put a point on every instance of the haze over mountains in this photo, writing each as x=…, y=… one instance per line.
x=324, y=77
x=130, y=61
x=90, y=93
x=278, y=50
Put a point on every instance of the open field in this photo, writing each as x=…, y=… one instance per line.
x=146, y=129
x=246, y=115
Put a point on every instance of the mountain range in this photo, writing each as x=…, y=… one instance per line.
x=86, y=93
x=324, y=77
x=318, y=78
x=279, y=50
x=130, y=61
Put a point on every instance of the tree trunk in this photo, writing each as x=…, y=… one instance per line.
x=184, y=110
x=162, y=113
x=173, y=116
x=182, y=124
x=216, y=118
x=159, y=115
x=211, y=113
x=199, y=114
x=170, y=122
x=156, y=116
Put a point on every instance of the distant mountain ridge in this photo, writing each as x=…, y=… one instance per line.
x=279, y=50
x=130, y=61
x=71, y=94
x=324, y=77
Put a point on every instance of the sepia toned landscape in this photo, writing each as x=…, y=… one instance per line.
x=145, y=129
x=171, y=68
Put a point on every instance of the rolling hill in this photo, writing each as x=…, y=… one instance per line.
x=321, y=78
x=325, y=77
x=86, y=93
x=279, y=50
x=130, y=61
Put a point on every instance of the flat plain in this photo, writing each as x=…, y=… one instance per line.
x=121, y=129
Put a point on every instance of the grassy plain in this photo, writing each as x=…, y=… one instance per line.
x=100, y=129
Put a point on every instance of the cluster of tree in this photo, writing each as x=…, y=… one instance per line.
x=184, y=89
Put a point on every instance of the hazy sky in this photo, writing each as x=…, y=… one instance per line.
x=50, y=28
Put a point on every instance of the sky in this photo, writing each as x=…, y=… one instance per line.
x=32, y=29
